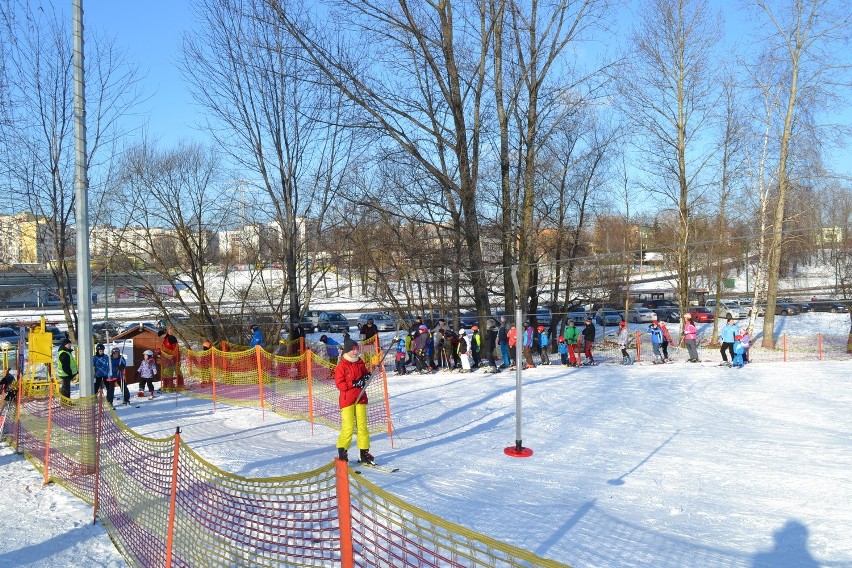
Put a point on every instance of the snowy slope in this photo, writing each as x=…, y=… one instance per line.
x=670, y=466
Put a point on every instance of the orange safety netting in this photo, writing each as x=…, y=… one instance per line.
x=165, y=506
x=300, y=387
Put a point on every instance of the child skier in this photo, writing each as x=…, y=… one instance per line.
x=563, y=350
x=623, y=342
x=401, y=355
x=656, y=340
x=739, y=349
x=543, y=345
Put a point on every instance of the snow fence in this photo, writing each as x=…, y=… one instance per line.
x=299, y=387
x=163, y=505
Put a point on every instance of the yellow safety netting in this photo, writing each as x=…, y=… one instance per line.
x=165, y=506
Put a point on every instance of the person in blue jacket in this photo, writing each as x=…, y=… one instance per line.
x=256, y=336
x=656, y=340
x=728, y=336
x=739, y=349
x=544, y=345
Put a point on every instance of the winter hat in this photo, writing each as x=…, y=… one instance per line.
x=561, y=339
x=462, y=332
x=422, y=328
x=474, y=328
x=622, y=324
x=738, y=337
x=349, y=344
x=541, y=328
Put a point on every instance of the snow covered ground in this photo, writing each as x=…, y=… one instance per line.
x=666, y=466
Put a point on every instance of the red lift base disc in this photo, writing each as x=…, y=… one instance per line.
x=513, y=452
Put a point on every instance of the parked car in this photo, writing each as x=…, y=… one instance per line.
x=469, y=318
x=321, y=320
x=829, y=306
x=727, y=309
x=746, y=306
x=8, y=337
x=102, y=330
x=609, y=316
x=659, y=303
x=640, y=315
x=804, y=307
x=382, y=321
x=785, y=309
x=668, y=314
x=578, y=315
x=543, y=317
x=700, y=314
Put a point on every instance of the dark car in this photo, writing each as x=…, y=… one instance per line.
x=469, y=318
x=659, y=303
x=102, y=330
x=668, y=314
x=543, y=317
x=787, y=309
x=829, y=306
x=321, y=320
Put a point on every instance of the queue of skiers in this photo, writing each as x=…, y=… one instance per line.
x=442, y=348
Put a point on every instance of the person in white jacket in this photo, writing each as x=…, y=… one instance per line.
x=623, y=341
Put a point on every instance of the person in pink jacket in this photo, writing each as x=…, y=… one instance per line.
x=689, y=338
x=350, y=378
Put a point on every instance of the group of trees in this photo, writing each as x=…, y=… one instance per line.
x=435, y=145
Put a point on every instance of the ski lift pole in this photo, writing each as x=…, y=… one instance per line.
x=518, y=450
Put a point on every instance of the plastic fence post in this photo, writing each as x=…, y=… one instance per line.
x=98, y=455
x=213, y=377
x=18, y=417
x=309, y=359
x=819, y=345
x=301, y=345
x=172, y=499
x=47, y=435
x=784, y=343
x=344, y=513
x=637, y=335
x=257, y=350
x=387, y=404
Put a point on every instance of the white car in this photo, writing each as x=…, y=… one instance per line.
x=726, y=309
x=640, y=315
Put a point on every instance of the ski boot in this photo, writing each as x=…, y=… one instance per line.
x=343, y=454
x=367, y=457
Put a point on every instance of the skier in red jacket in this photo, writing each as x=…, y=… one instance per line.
x=350, y=377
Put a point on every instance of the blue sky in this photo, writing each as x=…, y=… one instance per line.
x=151, y=33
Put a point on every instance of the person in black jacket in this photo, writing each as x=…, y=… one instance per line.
x=491, y=343
x=589, y=341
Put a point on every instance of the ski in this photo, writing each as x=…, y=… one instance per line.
x=377, y=467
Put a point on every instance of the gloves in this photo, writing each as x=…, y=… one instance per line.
x=359, y=383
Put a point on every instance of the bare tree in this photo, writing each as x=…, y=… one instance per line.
x=417, y=74
x=668, y=87
x=273, y=119
x=36, y=130
x=173, y=206
x=807, y=41
x=541, y=32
